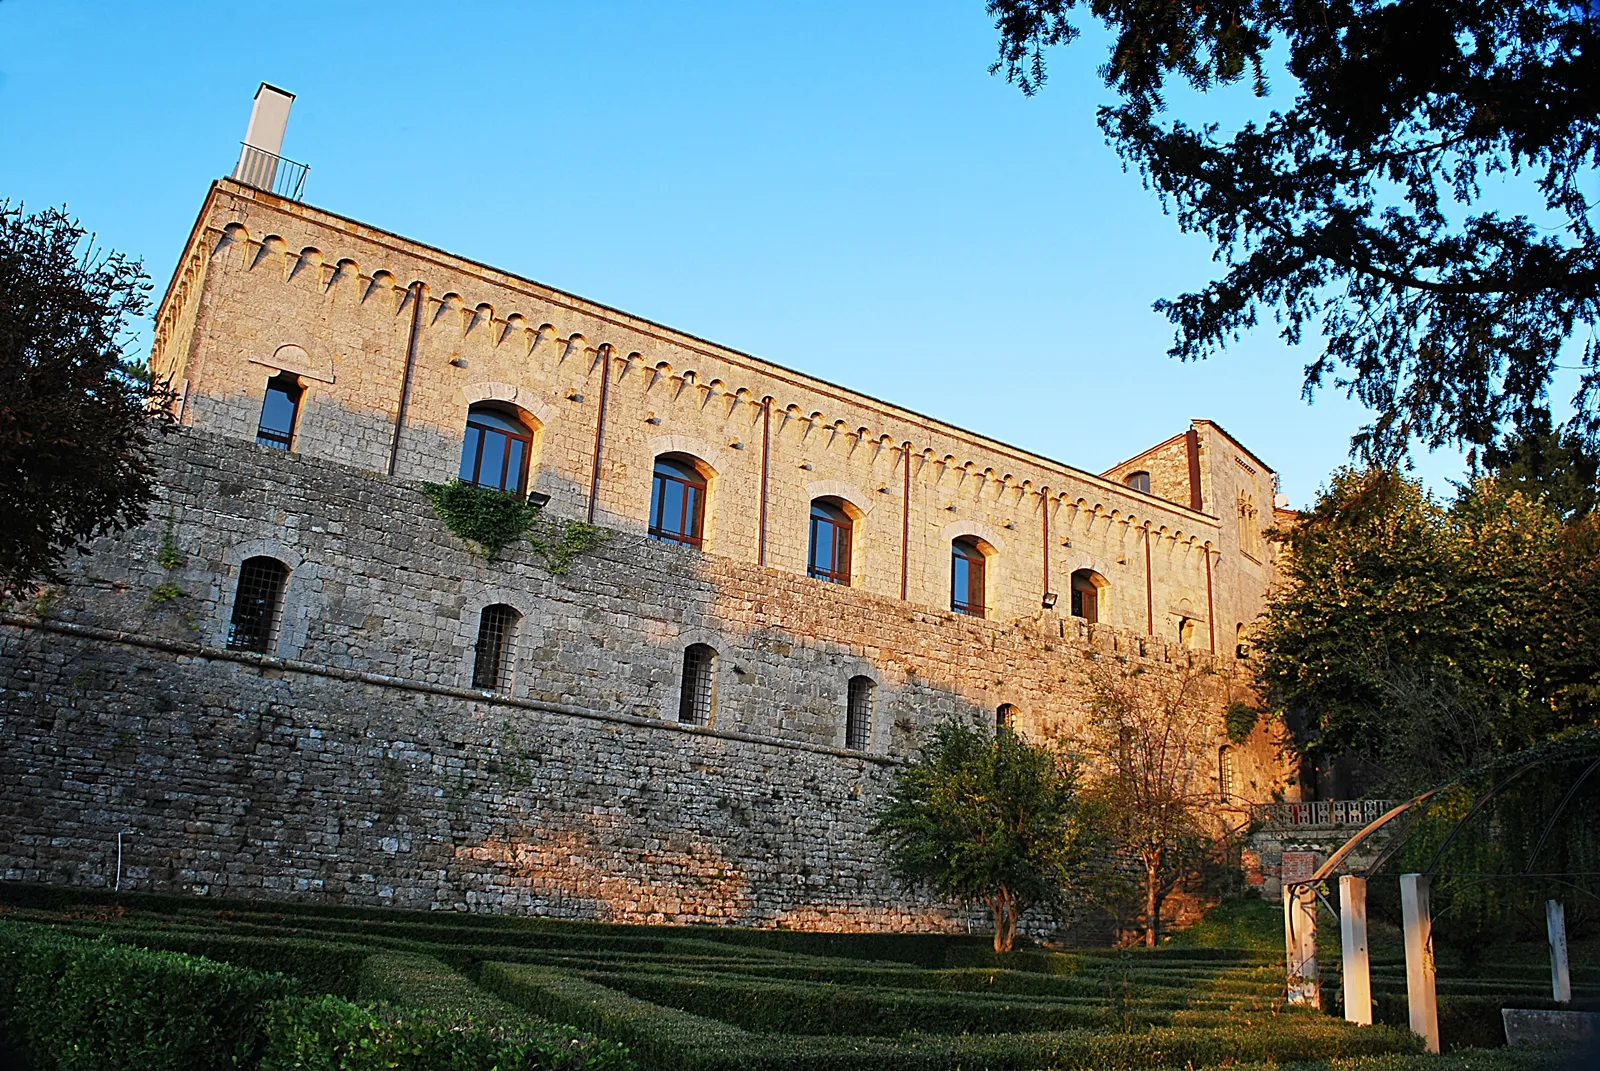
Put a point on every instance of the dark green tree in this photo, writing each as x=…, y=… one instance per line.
x=992, y=819
x=1424, y=641
x=1369, y=206
x=1551, y=463
x=77, y=417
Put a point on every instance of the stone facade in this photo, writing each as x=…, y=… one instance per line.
x=354, y=759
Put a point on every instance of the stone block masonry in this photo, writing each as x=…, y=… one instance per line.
x=355, y=762
x=349, y=754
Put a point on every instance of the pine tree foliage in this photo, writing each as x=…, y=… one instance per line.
x=1417, y=197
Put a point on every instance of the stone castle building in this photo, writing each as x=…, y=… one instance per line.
x=295, y=680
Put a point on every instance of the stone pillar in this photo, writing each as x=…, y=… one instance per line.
x=1555, y=920
x=1357, y=963
x=1420, y=994
x=1300, y=943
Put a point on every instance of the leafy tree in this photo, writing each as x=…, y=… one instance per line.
x=77, y=416
x=1365, y=207
x=1551, y=463
x=995, y=819
x=1149, y=743
x=1423, y=641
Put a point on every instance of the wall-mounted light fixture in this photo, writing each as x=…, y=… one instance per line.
x=1049, y=600
x=538, y=499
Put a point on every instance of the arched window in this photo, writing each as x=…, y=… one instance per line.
x=1139, y=481
x=829, y=558
x=858, y=714
x=257, y=605
x=494, y=656
x=496, y=450
x=1241, y=643
x=697, y=699
x=1225, y=782
x=280, y=410
x=1186, y=631
x=678, y=501
x=1086, y=595
x=1005, y=718
x=966, y=577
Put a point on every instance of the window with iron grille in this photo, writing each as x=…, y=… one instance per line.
x=697, y=700
x=1005, y=718
x=257, y=605
x=677, y=502
x=279, y=411
x=966, y=577
x=495, y=655
x=1225, y=773
x=858, y=714
x=495, y=451
x=830, y=543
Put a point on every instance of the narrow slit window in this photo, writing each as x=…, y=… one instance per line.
x=967, y=577
x=831, y=528
x=697, y=698
x=677, y=502
x=257, y=605
x=1005, y=718
x=858, y=714
x=280, y=410
x=494, y=656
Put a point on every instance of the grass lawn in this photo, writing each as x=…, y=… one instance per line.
x=708, y=998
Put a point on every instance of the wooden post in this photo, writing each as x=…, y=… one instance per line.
x=1420, y=994
x=1357, y=963
x=1300, y=943
x=1555, y=920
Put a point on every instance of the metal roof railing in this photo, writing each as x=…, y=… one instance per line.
x=270, y=172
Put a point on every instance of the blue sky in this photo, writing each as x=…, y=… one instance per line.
x=838, y=187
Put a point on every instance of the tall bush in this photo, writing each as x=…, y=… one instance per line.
x=992, y=819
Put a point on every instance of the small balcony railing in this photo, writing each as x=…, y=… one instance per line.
x=270, y=172
x=1321, y=812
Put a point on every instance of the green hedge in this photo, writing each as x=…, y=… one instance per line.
x=414, y=981
x=98, y=1006
x=1469, y=1021
x=817, y=1008
x=667, y=1038
x=323, y=966
x=331, y=1034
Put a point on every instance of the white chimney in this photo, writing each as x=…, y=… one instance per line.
x=263, y=141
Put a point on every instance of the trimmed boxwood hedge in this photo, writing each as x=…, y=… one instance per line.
x=99, y=1006
x=330, y=1034
x=322, y=966
x=410, y=980
x=667, y=1039
x=818, y=1008
x=75, y=1004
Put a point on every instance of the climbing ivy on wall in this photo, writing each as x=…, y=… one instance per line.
x=491, y=520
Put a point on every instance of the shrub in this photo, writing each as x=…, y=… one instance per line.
x=424, y=982
x=72, y=1003
x=322, y=967
x=330, y=1034
x=663, y=1038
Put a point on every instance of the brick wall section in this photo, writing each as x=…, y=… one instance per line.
x=294, y=775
